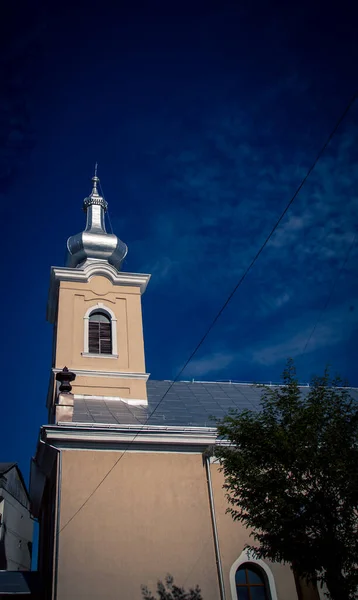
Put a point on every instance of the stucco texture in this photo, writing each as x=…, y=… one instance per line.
x=124, y=302
x=150, y=517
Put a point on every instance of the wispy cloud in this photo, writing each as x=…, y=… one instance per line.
x=293, y=339
x=297, y=340
x=226, y=184
x=209, y=364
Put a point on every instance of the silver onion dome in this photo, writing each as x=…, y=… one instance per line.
x=94, y=242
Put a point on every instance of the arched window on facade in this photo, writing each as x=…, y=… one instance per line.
x=243, y=573
x=251, y=582
x=99, y=333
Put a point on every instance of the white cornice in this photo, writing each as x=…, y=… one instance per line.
x=84, y=274
x=110, y=374
x=81, y=434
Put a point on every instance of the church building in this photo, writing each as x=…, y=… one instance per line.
x=124, y=480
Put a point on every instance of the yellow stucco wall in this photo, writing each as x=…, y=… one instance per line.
x=75, y=298
x=150, y=517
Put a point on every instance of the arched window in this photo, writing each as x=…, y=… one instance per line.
x=99, y=333
x=250, y=582
x=251, y=579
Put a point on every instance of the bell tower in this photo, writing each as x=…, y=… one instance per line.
x=95, y=309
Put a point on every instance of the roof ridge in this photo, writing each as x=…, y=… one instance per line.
x=237, y=382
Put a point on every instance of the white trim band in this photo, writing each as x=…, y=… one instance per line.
x=84, y=273
x=109, y=374
x=91, y=355
x=141, y=434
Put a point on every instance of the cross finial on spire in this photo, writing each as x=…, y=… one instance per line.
x=95, y=197
x=95, y=180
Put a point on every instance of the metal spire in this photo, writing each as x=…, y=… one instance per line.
x=95, y=180
x=95, y=197
x=94, y=243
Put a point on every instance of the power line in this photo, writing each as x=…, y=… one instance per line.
x=239, y=283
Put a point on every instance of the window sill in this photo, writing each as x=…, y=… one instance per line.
x=90, y=355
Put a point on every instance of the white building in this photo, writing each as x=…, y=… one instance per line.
x=16, y=525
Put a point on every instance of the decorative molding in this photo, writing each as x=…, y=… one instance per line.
x=133, y=402
x=90, y=355
x=243, y=558
x=110, y=374
x=96, y=298
x=98, y=434
x=100, y=306
x=113, y=319
x=84, y=273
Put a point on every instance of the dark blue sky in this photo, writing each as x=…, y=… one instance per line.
x=203, y=119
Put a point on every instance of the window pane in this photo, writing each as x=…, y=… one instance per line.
x=93, y=337
x=99, y=334
x=98, y=317
x=105, y=329
x=242, y=593
x=258, y=592
x=254, y=576
x=105, y=338
x=240, y=576
x=105, y=347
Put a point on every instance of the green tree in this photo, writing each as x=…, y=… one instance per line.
x=169, y=591
x=291, y=475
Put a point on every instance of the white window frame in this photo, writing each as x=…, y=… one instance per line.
x=105, y=309
x=245, y=558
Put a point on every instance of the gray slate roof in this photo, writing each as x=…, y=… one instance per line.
x=6, y=466
x=21, y=584
x=190, y=404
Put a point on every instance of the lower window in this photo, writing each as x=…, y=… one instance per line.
x=250, y=583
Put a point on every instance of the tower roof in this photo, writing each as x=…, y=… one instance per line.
x=94, y=243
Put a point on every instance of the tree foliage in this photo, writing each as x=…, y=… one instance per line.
x=291, y=475
x=169, y=591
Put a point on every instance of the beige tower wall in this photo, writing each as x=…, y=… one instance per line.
x=75, y=298
x=151, y=516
